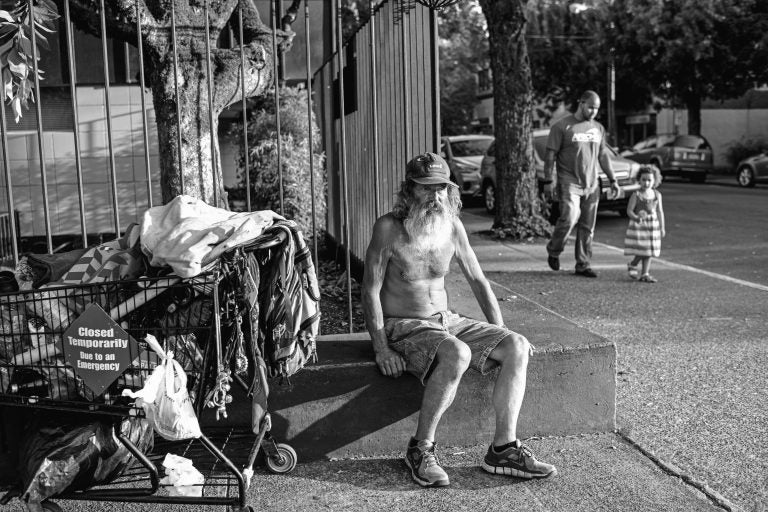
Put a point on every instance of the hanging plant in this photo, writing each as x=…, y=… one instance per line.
x=16, y=52
x=437, y=4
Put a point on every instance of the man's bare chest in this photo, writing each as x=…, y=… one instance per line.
x=414, y=263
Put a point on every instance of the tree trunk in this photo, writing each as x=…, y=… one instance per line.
x=191, y=170
x=198, y=163
x=517, y=204
x=693, y=104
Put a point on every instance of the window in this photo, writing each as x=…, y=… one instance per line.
x=466, y=148
x=56, y=110
x=647, y=143
x=691, y=142
x=665, y=140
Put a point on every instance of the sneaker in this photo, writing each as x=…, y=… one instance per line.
x=647, y=278
x=586, y=272
x=553, y=262
x=425, y=468
x=517, y=461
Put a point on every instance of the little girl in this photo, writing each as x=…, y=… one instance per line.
x=646, y=223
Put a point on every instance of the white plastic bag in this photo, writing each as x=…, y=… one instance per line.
x=184, y=478
x=165, y=399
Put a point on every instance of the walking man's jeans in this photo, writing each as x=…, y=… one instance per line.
x=578, y=208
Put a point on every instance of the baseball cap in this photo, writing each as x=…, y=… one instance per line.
x=429, y=169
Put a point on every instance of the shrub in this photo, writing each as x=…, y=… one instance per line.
x=294, y=140
x=741, y=149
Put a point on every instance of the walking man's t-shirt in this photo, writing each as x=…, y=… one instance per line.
x=578, y=145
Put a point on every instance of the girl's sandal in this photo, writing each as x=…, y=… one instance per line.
x=646, y=278
x=632, y=270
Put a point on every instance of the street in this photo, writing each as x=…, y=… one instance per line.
x=713, y=227
x=691, y=378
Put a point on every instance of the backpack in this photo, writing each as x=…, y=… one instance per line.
x=289, y=313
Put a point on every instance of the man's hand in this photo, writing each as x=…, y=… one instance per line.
x=390, y=362
x=615, y=188
x=548, y=190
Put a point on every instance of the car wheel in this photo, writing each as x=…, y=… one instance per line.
x=746, y=177
x=699, y=177
x=489, y=197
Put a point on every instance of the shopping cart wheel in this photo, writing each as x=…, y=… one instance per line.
x=51, y=506
x=284, y=462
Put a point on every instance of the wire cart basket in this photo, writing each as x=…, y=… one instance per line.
x=73, y=350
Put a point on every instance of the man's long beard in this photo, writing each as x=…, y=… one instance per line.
x=428, y=223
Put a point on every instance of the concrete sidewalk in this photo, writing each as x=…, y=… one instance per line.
x=598, y=471
x=605, y=471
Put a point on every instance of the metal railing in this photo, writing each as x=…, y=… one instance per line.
x=375, y=100
x=42, y=196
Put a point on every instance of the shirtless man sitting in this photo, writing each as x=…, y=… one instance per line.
x=406, y=312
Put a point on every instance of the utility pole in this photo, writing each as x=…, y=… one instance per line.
x=612, y=128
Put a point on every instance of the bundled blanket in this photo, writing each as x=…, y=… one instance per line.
x=188, y=235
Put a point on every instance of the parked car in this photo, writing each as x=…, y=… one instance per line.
x=752, y=170
x=689, y=156
x=624, y=170
x=464, y=154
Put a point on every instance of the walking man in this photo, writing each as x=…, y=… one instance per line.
x=576, y=144
x=406, y=312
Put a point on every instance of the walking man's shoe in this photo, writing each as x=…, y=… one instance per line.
x=553, y=262
x=586, y=272
x=518, y=461
x=425, y=468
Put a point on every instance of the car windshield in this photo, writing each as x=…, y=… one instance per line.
x=647, y=143
x=474, y=147
x=691, y=142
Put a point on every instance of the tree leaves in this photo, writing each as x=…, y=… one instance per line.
x=689, y=50
x=17, y=53
x=463, y=52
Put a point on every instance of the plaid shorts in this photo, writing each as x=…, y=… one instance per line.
x=417, y=339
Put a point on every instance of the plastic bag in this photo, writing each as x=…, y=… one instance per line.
x=66, y=452
x=165, y=399
x=182, y=476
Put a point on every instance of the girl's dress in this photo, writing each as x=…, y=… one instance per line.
x=643, y=237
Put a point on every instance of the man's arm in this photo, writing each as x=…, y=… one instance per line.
x=605, y=163
x=474, y=275
x=376, y=259
x=554, y=143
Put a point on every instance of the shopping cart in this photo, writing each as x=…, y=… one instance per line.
x=75, y=349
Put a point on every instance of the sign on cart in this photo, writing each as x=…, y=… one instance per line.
x=98, y=349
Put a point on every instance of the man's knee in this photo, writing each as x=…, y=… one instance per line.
x=454, y=356
x=513, y=349
x=571, y=215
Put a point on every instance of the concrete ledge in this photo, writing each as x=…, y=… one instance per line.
x=344, y=407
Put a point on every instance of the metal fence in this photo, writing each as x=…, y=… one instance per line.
x=51, y=196
x=385, y=79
